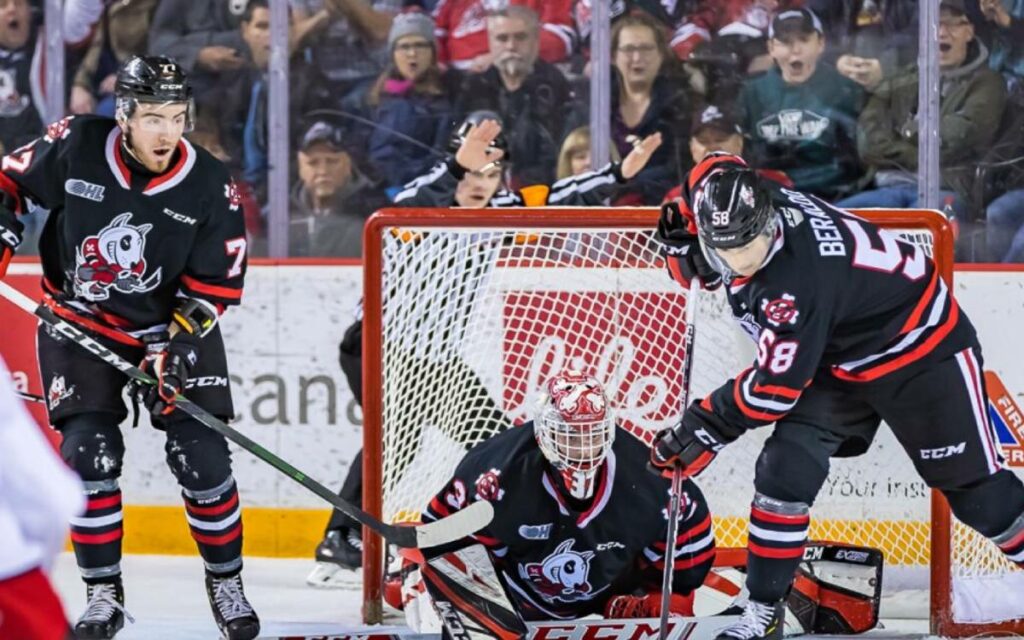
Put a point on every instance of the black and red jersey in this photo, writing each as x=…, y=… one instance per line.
x=840, y=297
x=563, y=560
x=122, y=245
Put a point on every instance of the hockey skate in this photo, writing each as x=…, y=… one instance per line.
x=104, y=611
x=339, y=561
x=234, y=615
x=760, y=621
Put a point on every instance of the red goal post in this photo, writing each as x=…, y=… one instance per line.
x=485, y=299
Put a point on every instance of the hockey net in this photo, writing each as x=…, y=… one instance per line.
x=469, y=312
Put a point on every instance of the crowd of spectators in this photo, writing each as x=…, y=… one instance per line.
x=818, y=94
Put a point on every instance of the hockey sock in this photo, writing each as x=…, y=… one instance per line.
x=1011, y=541
x=96, y=534
x=215, y=520
x=778, y=533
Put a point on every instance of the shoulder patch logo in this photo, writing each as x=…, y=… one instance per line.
x=83, y=189
x=59, y=130
x=58, y=392
x=781, y=310
x=488, y=486
x=233, y=195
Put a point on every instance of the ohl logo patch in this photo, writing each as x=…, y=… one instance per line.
x=1007, y=419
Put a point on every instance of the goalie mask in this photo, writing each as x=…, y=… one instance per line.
x=733, y=211
x=575, y=429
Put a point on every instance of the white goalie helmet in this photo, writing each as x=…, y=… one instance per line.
x=575, y=429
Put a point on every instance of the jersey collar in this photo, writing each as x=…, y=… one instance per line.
x=601, y=496
x=158, y=184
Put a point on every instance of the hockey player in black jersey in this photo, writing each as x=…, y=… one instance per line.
x=144, y=247
x=580, y=524
x=852, y=326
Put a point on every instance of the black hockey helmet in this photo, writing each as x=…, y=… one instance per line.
x=151, y=79
x=731, y=205
x=475, y=118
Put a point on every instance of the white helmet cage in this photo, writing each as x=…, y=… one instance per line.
x=573, y=425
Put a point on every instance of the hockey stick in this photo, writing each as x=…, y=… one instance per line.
x=675, y=498
x=31, y=397
x=458, y=525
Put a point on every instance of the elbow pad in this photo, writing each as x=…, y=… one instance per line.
x=195, y=317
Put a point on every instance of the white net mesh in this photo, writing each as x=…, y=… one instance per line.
x=475, y=321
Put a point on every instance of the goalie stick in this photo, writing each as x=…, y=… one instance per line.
x=458, y=525
x=675, y=499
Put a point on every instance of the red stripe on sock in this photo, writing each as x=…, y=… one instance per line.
x=93, y=504
x=215, y=510
x=97, y=538
x=222, y=539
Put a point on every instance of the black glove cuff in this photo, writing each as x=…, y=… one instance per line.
x=719, y=430
x=186, y=346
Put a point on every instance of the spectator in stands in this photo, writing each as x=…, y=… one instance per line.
x=531, y=95
x=802, y=114
x=869, y=39
x=668, y=14
x=716, y=128
x=346, y=40
x=973, y=97
x=22, y=103
x=202, y=36
x=411, y=103
x=463, y=31
x=121, y=33
x=647, y=97
x=1006, y=18
x=332, y=199
x=574, y=156
x=1004, y=229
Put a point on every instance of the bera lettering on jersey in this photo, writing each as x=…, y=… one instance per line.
x=123, y=244
x=830, y=242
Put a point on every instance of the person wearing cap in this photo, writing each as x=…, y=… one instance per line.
x=715, y=129
x=332, y=198
x=973, y=97
x=411, y=103
x=802, y=114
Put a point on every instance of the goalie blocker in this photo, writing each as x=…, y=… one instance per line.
x=459, y=594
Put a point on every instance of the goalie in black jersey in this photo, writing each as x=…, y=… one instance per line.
x=853, y=326
x=144, y=248
x=579, y=525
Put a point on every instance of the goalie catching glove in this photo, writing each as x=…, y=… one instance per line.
x=647, y=606
x=677, y=234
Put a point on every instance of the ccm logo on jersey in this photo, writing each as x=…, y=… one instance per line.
x=943, y=452
x=179, y=217
x=84, y=189
x=206, y=381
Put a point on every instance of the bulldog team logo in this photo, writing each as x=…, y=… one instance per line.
x=114, y=259
x=58, y=392
x=12, y=102
x=562, y=576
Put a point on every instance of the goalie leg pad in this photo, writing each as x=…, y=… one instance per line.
x=469, y=598
x=837, y=589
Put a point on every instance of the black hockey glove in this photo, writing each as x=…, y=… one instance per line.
x=690, y=446
x=10, y=232
x=170, y=363
x=677, y=234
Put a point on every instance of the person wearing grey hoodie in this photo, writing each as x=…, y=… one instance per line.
x=972, y=100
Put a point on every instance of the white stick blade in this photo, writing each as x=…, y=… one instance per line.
x=458, y=525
